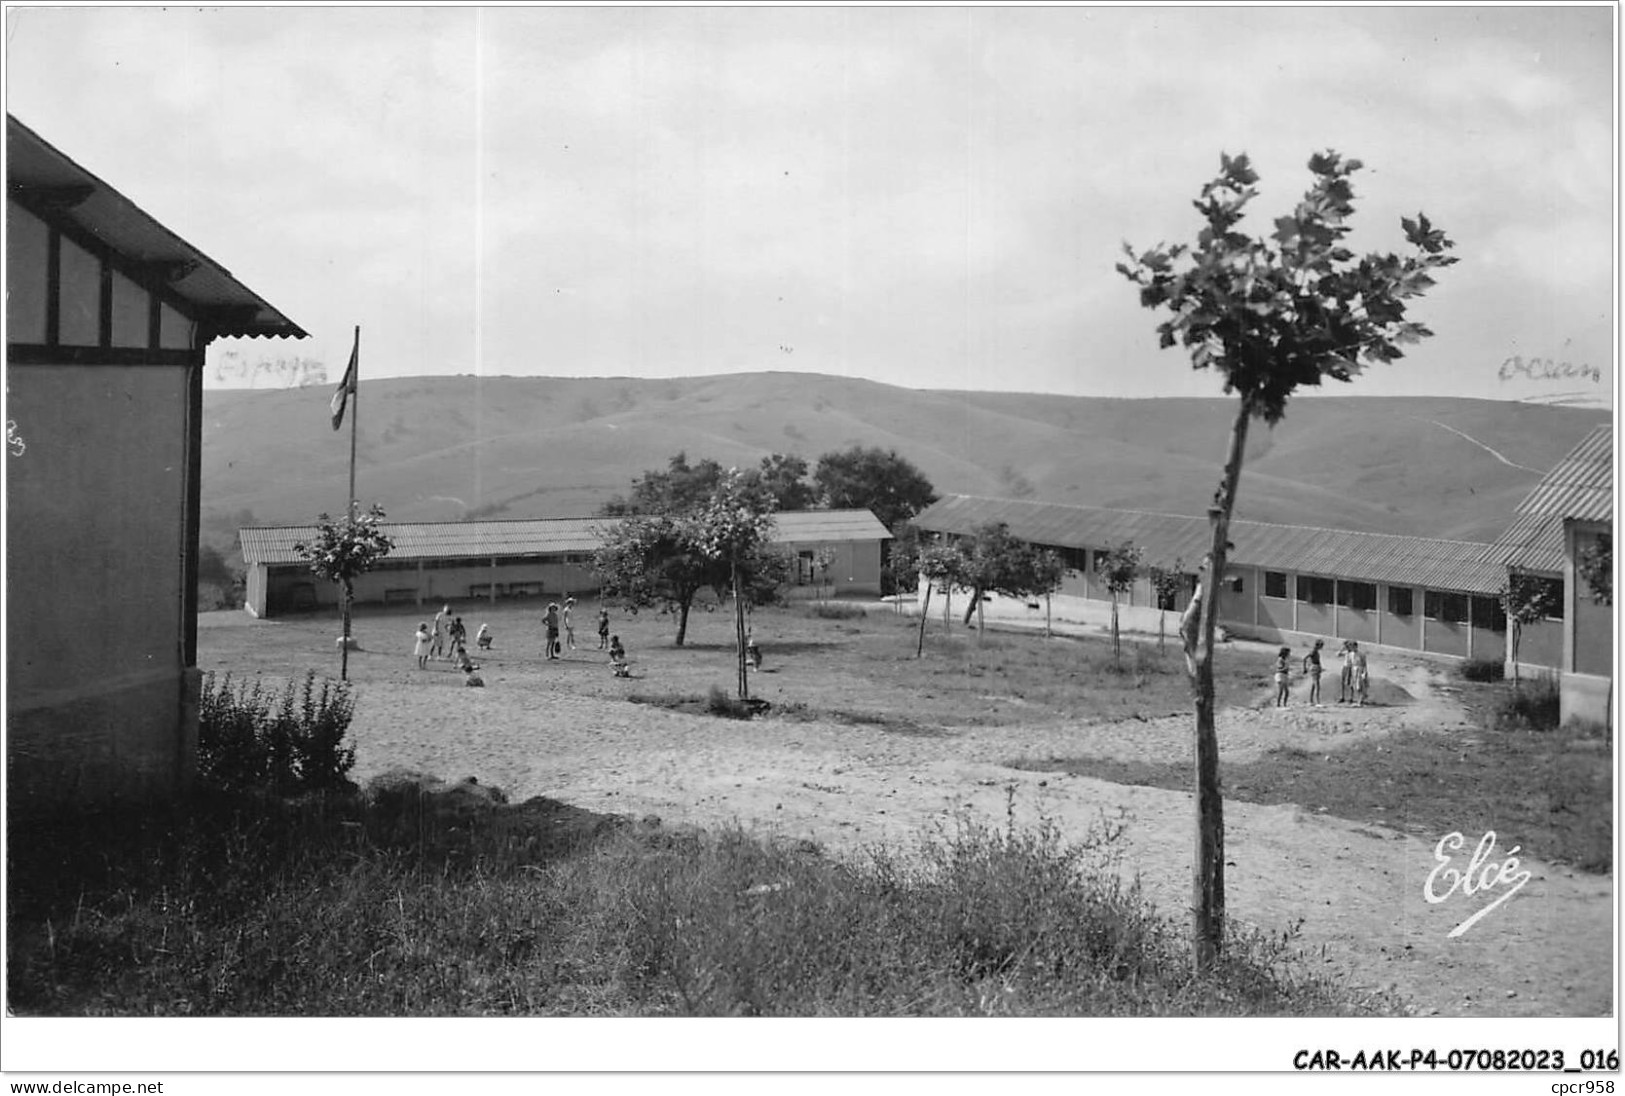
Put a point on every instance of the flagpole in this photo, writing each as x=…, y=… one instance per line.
x=353, y=395
x=355, y=412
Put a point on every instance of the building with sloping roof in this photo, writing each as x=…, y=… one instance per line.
x=1281, y=582
x=1569, y=514
x=489, y=560
x=108, y=315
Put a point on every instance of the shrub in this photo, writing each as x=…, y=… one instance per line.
x=1534, y=705
x=248, y=738
x=825, y=610
x=1483, y=669
x=720, y=703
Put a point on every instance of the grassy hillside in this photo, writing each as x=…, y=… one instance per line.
x=448, y=448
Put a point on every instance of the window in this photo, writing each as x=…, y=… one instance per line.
x=1315, y=591
x=1356, y=595
x=1235, y=584
x=1399, y=601
x=1275, y=584
x=1449, y=608
x=1487, y=613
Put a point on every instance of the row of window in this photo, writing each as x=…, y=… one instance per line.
x=1484, y=612
x=452, y=563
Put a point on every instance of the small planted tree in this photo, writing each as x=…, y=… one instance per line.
x=1049, y=569
x=649, y=560
x=730, y=529
x=1119, y=570
x=1270, y=314
x=939, y=566
x=1527, y=599
x=1167, y=583
x=342, y=552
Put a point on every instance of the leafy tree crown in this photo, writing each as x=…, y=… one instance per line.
x=1291, y=309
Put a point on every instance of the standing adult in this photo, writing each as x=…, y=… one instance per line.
x=441, y=633
x=552, y=622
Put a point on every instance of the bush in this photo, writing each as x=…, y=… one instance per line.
x=827, y=610
x=1483, y=669
x=720, y=703
x=249, y=739
x=1534, y=705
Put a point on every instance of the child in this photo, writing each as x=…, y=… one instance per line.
x=1362, y=679
x=1282, y=689
x=421, y=651
x=551, y=619
x=460, y=656
x=753, y=653
x=617, y=658
x=1345, y=684
x=482, y=638
x=457, y=633
x=603, y=629
x=569, y=625
x=471, y=679
x=1312, y=667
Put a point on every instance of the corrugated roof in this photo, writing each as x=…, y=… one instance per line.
x=1338, y=553
x=232, y=309
x=797, y=526
x=1580, y=486
x=534, y=536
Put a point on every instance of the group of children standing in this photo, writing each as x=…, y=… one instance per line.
x=1354, y=680
x=447, y=638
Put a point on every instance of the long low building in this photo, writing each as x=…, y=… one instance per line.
x=838, y=551
x=1283, y=582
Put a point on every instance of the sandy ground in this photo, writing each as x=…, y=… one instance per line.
x=1358, y=890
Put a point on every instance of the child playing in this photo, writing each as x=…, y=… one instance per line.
x=617, y=658
x=421, y=651
x=603, y=629
x=569, y=625
x=1282, y=670
x=1312, y=667
x=482, y=638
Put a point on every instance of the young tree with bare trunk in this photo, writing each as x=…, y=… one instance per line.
x=1270, y=314
x=343, y=551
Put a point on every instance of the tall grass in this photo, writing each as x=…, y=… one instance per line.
x=440, y=904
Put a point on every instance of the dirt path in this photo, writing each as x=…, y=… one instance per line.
x=1358, y=890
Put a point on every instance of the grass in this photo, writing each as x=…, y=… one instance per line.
x=1551, y=793
x=442, y=902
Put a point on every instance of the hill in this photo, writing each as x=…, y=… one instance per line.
x=450, y=448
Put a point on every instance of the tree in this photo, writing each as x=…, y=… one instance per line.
x=680, y=487
x=648, y=560
x=1527, y=599
x=1167, y=583
x=1049, y=570
x=786, y=478
x=1595, y=564
x=1270, y=315
x=823, y=559
x=873, y=479
x=993, y=561
x=729, y=529
x=1119, y=570
x=900, y=570
x=940, y=565
x=342, y=552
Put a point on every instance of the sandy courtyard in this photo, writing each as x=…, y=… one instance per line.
x=564, y=730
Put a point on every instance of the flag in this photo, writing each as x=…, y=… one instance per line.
x=347, y=385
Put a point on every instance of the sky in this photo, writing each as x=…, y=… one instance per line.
x=931, y=197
